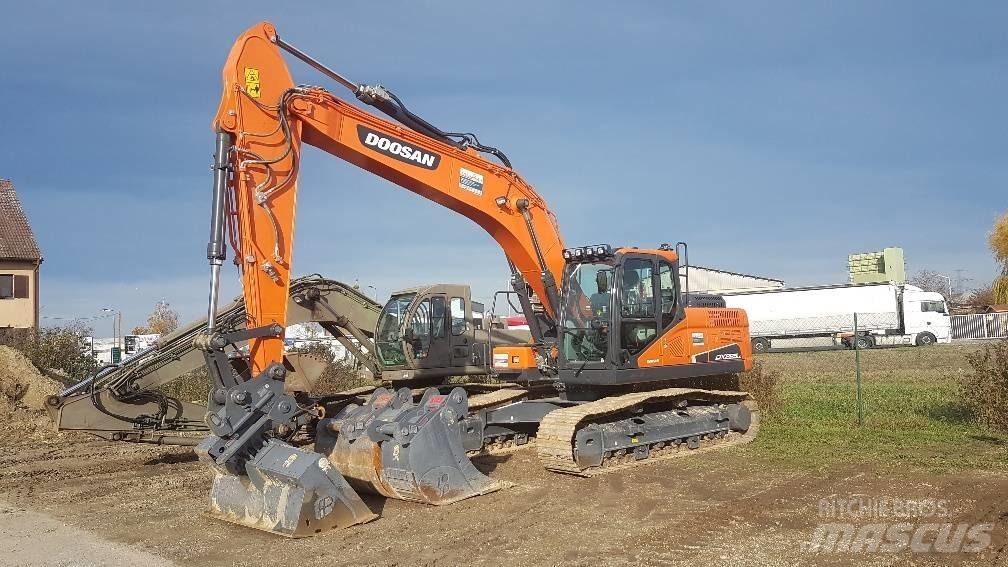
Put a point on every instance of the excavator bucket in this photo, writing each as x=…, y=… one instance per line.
x=287, y=491
x=401, y=449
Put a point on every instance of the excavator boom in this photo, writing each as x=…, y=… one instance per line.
x=263, y=119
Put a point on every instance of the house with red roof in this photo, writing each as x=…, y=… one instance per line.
x=20, y=259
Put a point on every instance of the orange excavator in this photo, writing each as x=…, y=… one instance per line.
x=615, y=336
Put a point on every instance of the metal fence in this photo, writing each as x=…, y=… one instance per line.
x=979, y=326
x=843, y=370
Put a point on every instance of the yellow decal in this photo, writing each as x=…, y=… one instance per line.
x=395, y=453
x=633, y=439
x=252, y=82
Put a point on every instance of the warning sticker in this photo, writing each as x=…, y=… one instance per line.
x=471, y=181
x=500, y=360
x=252, y=82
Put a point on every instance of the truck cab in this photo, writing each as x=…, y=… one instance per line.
x=925, y=316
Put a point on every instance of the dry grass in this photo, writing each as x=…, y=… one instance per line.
x=339, y=376
x=762, y=383
x=53, y=349
x=190, y=387
x=983, y=392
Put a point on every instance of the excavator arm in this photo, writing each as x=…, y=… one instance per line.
x=124, y=402
x=262, y=122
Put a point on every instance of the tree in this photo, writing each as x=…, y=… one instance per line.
x=981, y=296
x=65, y=349
x=929, y=280
x=161, y=321
x=998, y=241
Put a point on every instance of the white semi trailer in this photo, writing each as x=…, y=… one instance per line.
x=887, y=315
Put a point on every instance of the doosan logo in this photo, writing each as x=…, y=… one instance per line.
x=728, y=356
x=397, y=149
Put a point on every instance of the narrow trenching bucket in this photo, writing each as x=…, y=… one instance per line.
x=287, y=491
x=400, y=449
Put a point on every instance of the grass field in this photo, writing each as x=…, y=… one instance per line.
x=911, y=414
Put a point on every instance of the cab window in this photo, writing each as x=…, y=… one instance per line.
x=477, y=311
x=637, y=305
x=933, y=306
x=458, y=320
x=638, y=289
x=588, y=293
x=438, y=317
x=421, y=326
x=667, y=289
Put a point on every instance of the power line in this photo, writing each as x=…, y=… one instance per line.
x=92, y=318
x=960, y=280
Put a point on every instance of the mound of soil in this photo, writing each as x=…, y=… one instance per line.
x=23, y=392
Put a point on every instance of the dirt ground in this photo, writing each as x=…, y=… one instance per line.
x=716, y=508
x=73, y=500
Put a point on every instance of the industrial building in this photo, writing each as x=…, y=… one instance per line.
x=710, y=280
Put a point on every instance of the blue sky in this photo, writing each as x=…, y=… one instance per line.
x=775, y=138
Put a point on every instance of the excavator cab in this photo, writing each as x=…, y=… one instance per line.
x=624, y=319
x=427, y=334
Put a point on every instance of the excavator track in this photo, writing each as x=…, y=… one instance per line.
x=502, y=446
x=554, y=442
x=495, y=398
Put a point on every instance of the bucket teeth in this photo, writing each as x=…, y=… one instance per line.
x=409, y=451
x=287, y=491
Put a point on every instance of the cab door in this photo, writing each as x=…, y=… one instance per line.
x=461, y=330
x=639, y=315
x=439, y=352
x=440, y=331
x=426, y=332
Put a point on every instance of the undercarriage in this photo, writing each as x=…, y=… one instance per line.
x=291, y=465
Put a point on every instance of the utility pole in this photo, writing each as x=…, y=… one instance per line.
x=116, y=327
x=960, y=280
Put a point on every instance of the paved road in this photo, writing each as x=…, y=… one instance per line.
x=29, y=539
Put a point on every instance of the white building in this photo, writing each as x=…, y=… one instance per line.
x=710, y=280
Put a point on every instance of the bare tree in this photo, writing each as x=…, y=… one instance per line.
x=980, y=296
x=161, y=321
x=930, y=280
